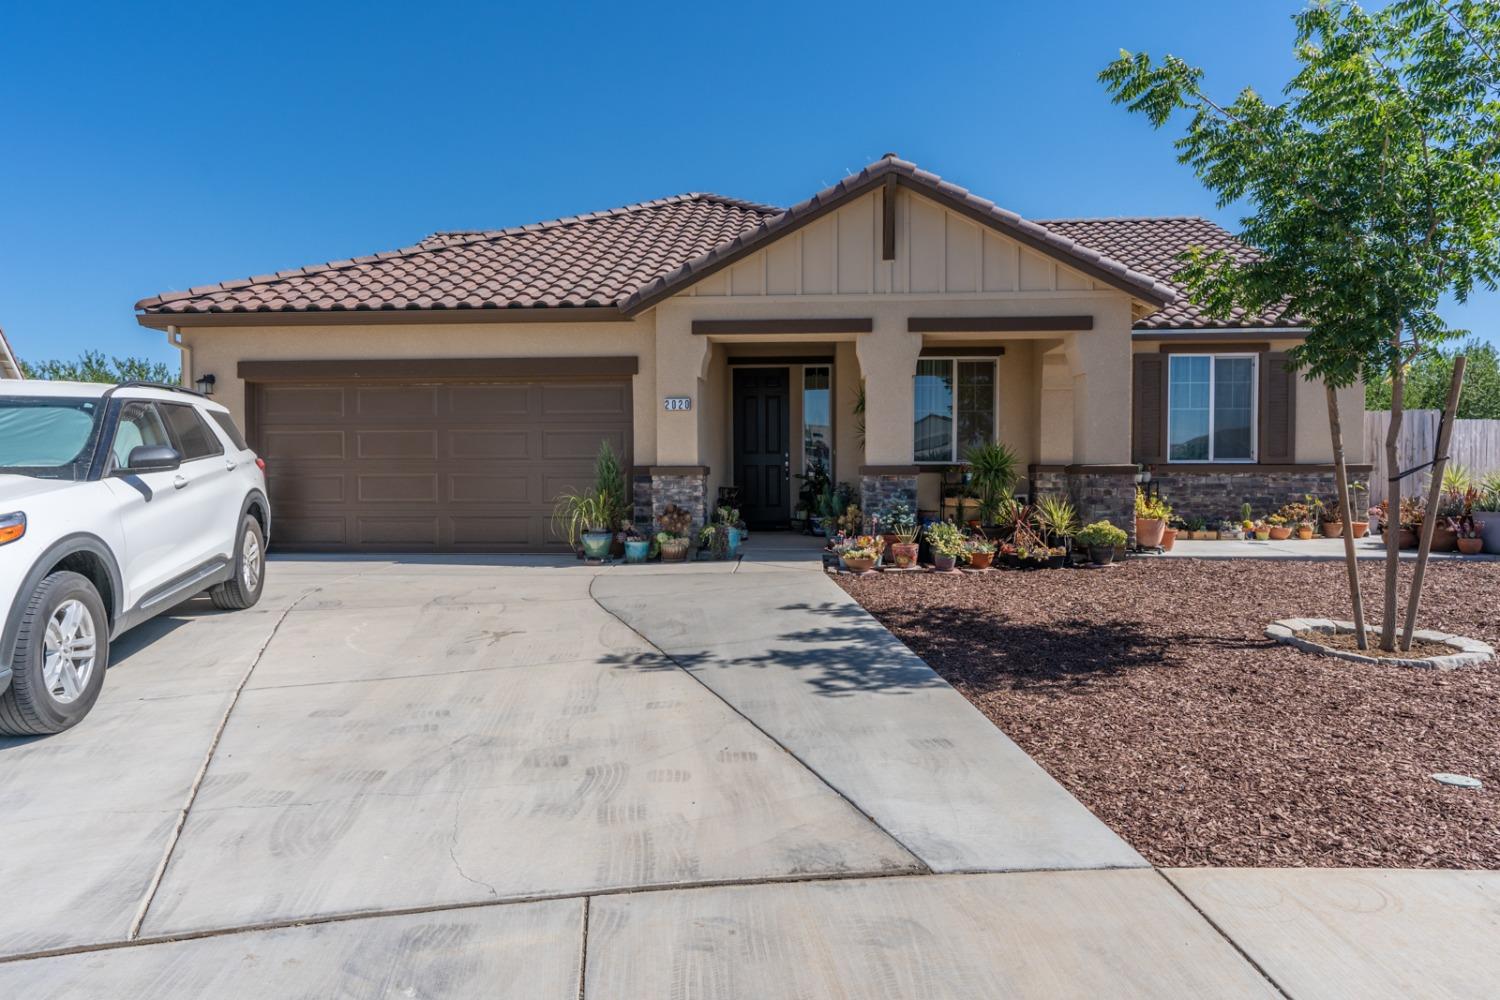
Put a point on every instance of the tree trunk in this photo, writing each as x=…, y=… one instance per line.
x=1434, y=497
x=1346, y=515
x=1393, y=500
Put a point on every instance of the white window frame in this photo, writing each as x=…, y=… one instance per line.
x=1212, y=383
x=954, y=359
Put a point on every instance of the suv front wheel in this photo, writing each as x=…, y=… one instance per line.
x=243, y=589
x=62, y=648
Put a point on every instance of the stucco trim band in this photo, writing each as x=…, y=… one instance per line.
x=404, y=369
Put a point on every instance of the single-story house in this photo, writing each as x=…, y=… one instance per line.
x=9, y=366
x=439, y=396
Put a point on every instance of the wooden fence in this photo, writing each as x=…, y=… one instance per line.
x=1475, y=446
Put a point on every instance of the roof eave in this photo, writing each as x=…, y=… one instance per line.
x=381, y=317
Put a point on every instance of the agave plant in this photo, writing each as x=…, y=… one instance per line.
x=1057, y=516
x=993, y=472
x=1457, y=479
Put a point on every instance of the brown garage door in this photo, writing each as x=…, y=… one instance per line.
x=404, y=466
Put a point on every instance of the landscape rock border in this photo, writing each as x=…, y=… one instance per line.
x=1466, y=652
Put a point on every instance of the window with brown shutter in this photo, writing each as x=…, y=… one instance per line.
x=1148, y=394
x=1278, y=409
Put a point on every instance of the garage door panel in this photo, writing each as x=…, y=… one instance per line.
x=398, y=488
x=591, y=401
x=432, y=466
x=283, y=403
x=497, y=488
x=488, y=444
x=390, y=404
x=311, y=445
x=485, y=402
x=403, y=444
x=418, y=530
x=580, y=445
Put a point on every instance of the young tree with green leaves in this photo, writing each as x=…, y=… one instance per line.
x=1428, y=379
x=93, y=366
x=1371, y=186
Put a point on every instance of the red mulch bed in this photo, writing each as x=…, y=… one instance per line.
x=1149, y=690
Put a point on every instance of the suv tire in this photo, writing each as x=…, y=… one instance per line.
x=243, y=589
x=65, y=614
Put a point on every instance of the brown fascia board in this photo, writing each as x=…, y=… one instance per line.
x=339, y=370
x=740, y=327
x=842, y=194
x=996, y=324
x=1207, y=334
x=379, y=317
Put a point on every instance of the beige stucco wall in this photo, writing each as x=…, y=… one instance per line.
x=220, y=349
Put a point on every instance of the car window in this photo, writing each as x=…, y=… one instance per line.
x=194, y=439
x=139, y=425
x=226, y=424
x=48, y=437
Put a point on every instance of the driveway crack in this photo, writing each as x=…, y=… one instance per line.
x=453, y=849
x=192, y=796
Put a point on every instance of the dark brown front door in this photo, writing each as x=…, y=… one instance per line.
x=762, y=448
x=376, y=465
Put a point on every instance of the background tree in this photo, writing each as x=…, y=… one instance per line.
x=93, y=366
x=1428, y=377
x=1371, y=189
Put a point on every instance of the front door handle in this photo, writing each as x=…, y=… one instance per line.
x=230, y=464
x=178, y=482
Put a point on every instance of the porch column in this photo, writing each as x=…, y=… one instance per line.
x=888, y=363
x=680, y=476
x=1101, y=477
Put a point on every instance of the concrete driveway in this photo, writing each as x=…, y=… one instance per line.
x=531, y=778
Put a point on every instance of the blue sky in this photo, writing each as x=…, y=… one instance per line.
x=154, y=147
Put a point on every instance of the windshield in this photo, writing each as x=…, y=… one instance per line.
x=49, y=437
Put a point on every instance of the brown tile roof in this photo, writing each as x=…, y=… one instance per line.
x=629, y=258
x=1152, y=246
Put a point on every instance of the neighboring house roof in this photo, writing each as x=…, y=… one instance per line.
x=1152, y=246
x=628, y=259
x=10, y=366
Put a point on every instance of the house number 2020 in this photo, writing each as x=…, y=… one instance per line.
x=675, y=403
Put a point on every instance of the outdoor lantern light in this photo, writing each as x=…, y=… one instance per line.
x=206, y=384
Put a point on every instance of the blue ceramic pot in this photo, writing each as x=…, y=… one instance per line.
x=637, y=551
x=596, y=544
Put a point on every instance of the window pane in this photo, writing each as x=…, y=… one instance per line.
x=932, y=430
x=1234, y=382
x=817, y=425
x=139, y=425
x=976, y=404
x=226, y=424
x=1187, y=411
x=194, y=438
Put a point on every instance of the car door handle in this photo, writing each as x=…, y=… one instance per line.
x=178, y=482
x=230, y=464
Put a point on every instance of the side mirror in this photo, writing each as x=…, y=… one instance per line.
x=153, y=458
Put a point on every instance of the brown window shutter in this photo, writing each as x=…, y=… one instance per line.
x=1278, y=410
x=1149, y=396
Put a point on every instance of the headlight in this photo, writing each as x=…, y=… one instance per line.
x=12, y=526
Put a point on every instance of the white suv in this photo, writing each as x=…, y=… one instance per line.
x=117, y=502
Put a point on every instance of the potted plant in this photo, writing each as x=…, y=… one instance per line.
x=861, y=553
x=1489, y=503
x=637, y=546
x=1056, y=518
x=1169, y=533
x=1197, y=529
x=1101, y=539
x=978, y=552
x=1229, y=531
x=584, y=516
x=946, y=543
x=1261, y=530
x=1468, y=535
x=674, y=536
x=1247, y=517
x=609, y=487
x=992, y=475
x=903, y=528
x=1151, y=514
x=730, y=518
x=1057, y=557
x=1277, y=528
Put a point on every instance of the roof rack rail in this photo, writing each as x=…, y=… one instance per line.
x=143, y=384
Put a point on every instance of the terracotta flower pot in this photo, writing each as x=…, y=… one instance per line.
x=859, y=564
x=1168, y=539
x=1406, y=539
x=981, y=560
x=1470, y=546
x=903, y=554
x=1361, y=529
x=1333, y=529
x=891, y=540
x=1444, y=540
x=1280, y=532
x=1148, y=531
x=1304, y=531
x=942, y=563
x=674, y=550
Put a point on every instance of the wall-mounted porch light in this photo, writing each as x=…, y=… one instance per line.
x=205, y=384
